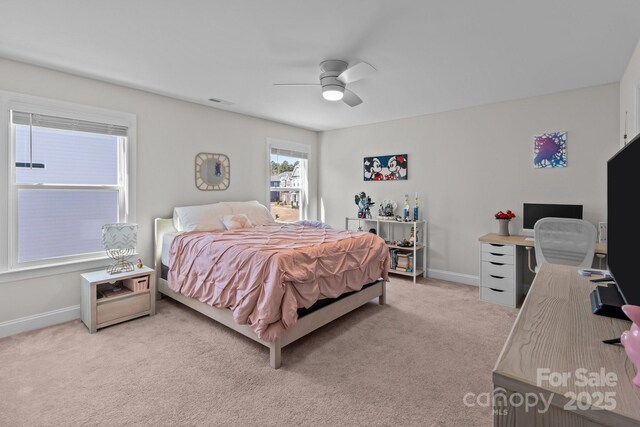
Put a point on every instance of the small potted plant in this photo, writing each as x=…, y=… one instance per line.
x=503, y=221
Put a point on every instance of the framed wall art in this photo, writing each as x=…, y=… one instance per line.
x=392, y=167
x=550, y=150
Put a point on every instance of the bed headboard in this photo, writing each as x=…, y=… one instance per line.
x=161, y=226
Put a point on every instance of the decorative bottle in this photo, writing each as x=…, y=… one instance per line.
x=415, y=208
x=406, y=207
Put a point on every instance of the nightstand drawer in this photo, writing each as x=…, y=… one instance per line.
x=498, y=249
x=497, y=269
x=496, y=296
x=497, y=282
x=123, y=307
x=497, y=258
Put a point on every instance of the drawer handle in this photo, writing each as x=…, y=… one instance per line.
x=496, y=277
x=496, y=290
x=495, y=254
x=496, y=245
x=496, y=263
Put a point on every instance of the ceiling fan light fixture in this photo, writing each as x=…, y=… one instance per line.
x=332, y=93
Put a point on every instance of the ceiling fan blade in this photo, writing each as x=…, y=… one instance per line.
x=296, y=84
x=351, y=99
x=355, y=73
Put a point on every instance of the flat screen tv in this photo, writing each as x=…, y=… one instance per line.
x=623, y=234
x=532, y=212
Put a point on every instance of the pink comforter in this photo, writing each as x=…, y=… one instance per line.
x=264, y=274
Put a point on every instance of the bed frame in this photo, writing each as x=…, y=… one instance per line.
x=303, y=326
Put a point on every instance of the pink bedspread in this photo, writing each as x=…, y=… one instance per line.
x=264, y=274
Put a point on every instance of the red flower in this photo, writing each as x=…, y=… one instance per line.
x=505, y=215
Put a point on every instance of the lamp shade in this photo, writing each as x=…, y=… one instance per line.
x=119, y=236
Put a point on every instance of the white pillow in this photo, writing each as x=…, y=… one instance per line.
x=257, y=213
x=233, y=222
x=201, y=218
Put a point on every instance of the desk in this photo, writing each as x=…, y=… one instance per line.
x=521, y=241
x=502, y=267
x=556, y=332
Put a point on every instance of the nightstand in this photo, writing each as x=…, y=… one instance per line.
x=102, y=304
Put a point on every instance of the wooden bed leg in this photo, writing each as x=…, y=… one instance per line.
x=275, y=354
x=382, y=299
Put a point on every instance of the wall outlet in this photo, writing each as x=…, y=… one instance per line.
x=602, y=232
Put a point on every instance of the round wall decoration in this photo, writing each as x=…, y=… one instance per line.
x=212, y=171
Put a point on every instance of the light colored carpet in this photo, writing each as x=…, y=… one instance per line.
x=407, y=363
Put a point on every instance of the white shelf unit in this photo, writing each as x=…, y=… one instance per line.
x=419, y=249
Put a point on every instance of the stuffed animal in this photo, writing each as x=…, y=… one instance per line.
x=631, y=339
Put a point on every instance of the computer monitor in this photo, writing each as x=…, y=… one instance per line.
x=623, y=175
x=532, y=212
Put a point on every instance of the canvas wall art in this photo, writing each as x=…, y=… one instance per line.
x=550, y=150
x=386, y=168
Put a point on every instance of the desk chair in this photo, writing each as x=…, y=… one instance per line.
x=564, y=241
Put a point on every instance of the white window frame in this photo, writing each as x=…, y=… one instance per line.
x=305, y=188
x=10, y=269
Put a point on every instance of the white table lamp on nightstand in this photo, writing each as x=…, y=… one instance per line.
x=119, y=240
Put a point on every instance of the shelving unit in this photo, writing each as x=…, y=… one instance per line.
x=99, y=310
x=419, y=247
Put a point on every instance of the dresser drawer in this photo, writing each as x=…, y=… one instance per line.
x=497, y=282
x=111, y=310
x=498, y=270
x=497, y=258
x=498, y=249
x=496, y=296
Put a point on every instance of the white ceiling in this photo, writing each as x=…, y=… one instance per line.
x=431, y=55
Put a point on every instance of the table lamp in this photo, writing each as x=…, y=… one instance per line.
x=119, y=240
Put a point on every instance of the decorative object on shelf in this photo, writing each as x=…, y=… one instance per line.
x=415, y=207
x=550, y=150
x=405, y=215
x=364, y=203
x=398, y=218
x=386, y=168
x=139, y=264
x=212, y=171
x=119, y=240
x=503, y=222
x=373, y=231
x=387, y=208
x=404, y=243
x=631, y=339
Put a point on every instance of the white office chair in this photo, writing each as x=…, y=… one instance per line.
x=564, y=241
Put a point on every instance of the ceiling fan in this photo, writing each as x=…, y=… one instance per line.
x=335, y=75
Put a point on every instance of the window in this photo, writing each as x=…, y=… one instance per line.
x=68, y=177
x=288, y=183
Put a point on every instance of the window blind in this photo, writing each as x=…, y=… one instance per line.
x=289, y=153
x=43, y=120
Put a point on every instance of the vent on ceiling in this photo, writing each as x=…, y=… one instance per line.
x=220, y=101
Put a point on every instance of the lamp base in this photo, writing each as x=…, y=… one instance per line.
x=121, y=266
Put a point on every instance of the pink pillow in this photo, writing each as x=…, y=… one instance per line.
x=231, y=222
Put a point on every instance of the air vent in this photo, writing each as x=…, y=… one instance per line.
x=220, y=101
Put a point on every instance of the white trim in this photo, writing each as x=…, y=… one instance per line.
x=37, y=321
x=466, y=279
x=54, y=269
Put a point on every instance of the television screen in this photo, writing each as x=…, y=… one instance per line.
x=623, y=176
x=532, y=212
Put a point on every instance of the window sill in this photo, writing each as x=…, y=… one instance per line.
x=53, y=269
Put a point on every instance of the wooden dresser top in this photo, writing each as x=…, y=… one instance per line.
x=556, y=331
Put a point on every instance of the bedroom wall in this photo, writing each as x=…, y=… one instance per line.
x=630, y=97
x=170, y=134
x=468, y=164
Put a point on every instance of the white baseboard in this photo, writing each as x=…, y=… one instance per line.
x=37, y=321
x=450, y=276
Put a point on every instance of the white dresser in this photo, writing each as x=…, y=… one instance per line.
x=500, y=273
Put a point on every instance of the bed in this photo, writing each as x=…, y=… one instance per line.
x=273, y=283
